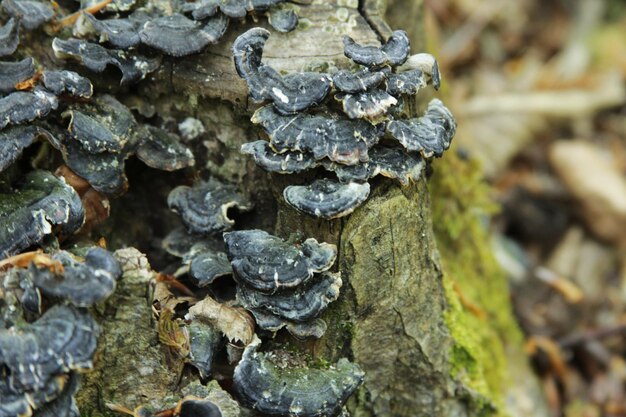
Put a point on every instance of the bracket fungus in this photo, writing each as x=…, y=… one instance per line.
x=430, y=134
x=304, y=392
x=178, y=36
x=288, y=162
x=208, y=265
x=357, y=82
x=370, y=105
x=326, y=198
x=13, y=73
x=28, y=215
x=133, y=67
x=67, y=82
x=63, y=339
x=394, y=52
x=81, y=283
x=279, y=19
x=25, y=106
x=290, y=93
x=204, y=207
x=14, y=140
x=163, y=150
x=340, y=140
x=268, y=264
x=204, y=341
x=356, y=144
x=122, y=32
x=31, y=14
x=395, y=163
x=304, y=303
x=9, y=36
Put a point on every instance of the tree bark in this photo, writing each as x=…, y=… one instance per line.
x=433, y=340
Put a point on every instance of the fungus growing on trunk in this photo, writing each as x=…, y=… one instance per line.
x=303, y=392
x=355, y=148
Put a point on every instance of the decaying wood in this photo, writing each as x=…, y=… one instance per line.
x=390, y=317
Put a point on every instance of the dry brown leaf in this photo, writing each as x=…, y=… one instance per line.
x=163, y=299
x=235, y=323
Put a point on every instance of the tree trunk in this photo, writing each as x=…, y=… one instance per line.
x=434, y=334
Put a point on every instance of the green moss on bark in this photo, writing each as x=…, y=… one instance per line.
x=487, y=355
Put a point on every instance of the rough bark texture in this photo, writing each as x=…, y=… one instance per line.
x=402, y=316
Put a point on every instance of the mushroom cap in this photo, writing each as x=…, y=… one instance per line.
x=64, y=405
x=371, y=105
x=206, y=265
x=96, y=58
x=291, y=93
x=304, y=392
x=283, y=20
x=326, y=198
x=25, y=106
x=70, y=82
x=29, y=214
x=394, y=52
x=163, y=150
x=395, y=163
x=201, y=9
x=179, y=242
x=425, y=63
x=14, y=140
x=362, y=80
x=288, y=162
x=247, y=54
x=340, y=140
x=199, y=408
x=301, y=304
x=310, y=329
x=20, y=402
x=409, y=82
x=32, y=14
x=175, y=35
x=9, y=36
x=204, y=340
x=63, y=339
x=81, y=283
x=268, y=264
x=12, y=73
x=123, y=32
x=204, y=207
x=430, y=134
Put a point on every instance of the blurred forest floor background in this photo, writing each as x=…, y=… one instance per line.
x=539, y=91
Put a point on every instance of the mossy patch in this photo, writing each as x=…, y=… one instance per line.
x=479, y=314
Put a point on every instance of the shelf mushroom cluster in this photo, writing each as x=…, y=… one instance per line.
x=47, y=335
x=282, y=284
x=94, y=133
x=187, y=31
x=359, y=133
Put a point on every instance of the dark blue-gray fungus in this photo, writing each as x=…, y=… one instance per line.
x=341, y=140
x=82, y=282
x=290, y=93
x=204, y=207
x=327, y=198
x=40, y=205
x=394, y=52
x=430, y=134
x=63, y=339
x=302, y=392
x=13, y=73
x=268, y=264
